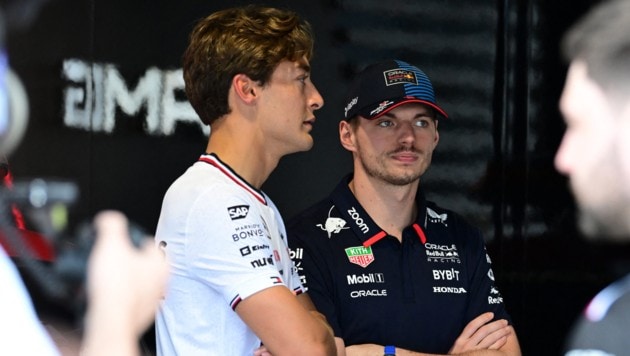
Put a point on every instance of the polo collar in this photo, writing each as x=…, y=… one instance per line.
x=213, y=160
x=362, y=224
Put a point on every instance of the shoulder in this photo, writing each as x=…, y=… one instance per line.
x=316, y=213
x=603, y=323
x=611, y=302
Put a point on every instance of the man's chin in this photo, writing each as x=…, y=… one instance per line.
x=596, y=228
x=306, y=145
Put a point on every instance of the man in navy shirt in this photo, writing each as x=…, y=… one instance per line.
x=392, y=272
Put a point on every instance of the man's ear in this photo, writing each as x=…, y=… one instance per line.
x=346, y=135
x=437, y=134
x=245, y=88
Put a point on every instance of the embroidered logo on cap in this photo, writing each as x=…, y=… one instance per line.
x=382, y=106
x=360, y=255
x=400, y=76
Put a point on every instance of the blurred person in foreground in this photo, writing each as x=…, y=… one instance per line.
x=392, y=272
x=124, y=286
x=595, y=155
x=233, y=287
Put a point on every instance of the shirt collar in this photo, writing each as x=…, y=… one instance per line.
x=214, y=160
x=361, y=223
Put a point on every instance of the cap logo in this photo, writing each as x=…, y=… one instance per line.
x=400, y=76
x=350, y=105
x=382, y=106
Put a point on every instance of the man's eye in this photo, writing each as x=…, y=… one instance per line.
x=385, y=123
x=422, y=123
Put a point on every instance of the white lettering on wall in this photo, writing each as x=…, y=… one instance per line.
x=96, y=90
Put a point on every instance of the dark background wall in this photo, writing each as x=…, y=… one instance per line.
x=495, y=67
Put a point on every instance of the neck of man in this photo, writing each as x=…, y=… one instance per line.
x=392, y=207
x=242, y=147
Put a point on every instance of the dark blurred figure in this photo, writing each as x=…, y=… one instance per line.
x=595, y=155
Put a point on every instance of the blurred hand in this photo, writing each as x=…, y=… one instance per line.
x=124, y=287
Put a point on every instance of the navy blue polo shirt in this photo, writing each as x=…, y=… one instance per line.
x=417, y=294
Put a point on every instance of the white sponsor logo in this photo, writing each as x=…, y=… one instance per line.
x=430, y=246
x=451, y=290
x=358, y=220
x=368, y=293
x=248, y=249
x=95, y=92
x=350, y=105
x=333, y=225
x=296, y=254
x=446, y=274
x=491, y=274
x=242, y=235
x=442, y=253
x=382, y=106
x=437, y=218
x=495, y=300
x=366, y=278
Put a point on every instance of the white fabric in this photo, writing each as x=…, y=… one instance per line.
x=221, y=238
x=21, y=332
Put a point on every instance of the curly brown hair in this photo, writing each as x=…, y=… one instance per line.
x=250, y=40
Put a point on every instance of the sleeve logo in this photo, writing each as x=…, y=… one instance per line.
x=238, y=211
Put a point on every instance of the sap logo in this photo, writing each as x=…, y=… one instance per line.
x=358, y=220
x=238, y=212
x=446, y=274
x=262, y=262
x=366, y=278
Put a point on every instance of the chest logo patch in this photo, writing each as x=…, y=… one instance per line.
x=333, y=225
x=360, y=255
x=437, y=218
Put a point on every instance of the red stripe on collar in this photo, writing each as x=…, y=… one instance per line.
x=374, y=239
x=236, y=179
x=421, y=235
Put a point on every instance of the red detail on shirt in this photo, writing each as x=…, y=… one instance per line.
x=374, y=239
x=421, y=235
